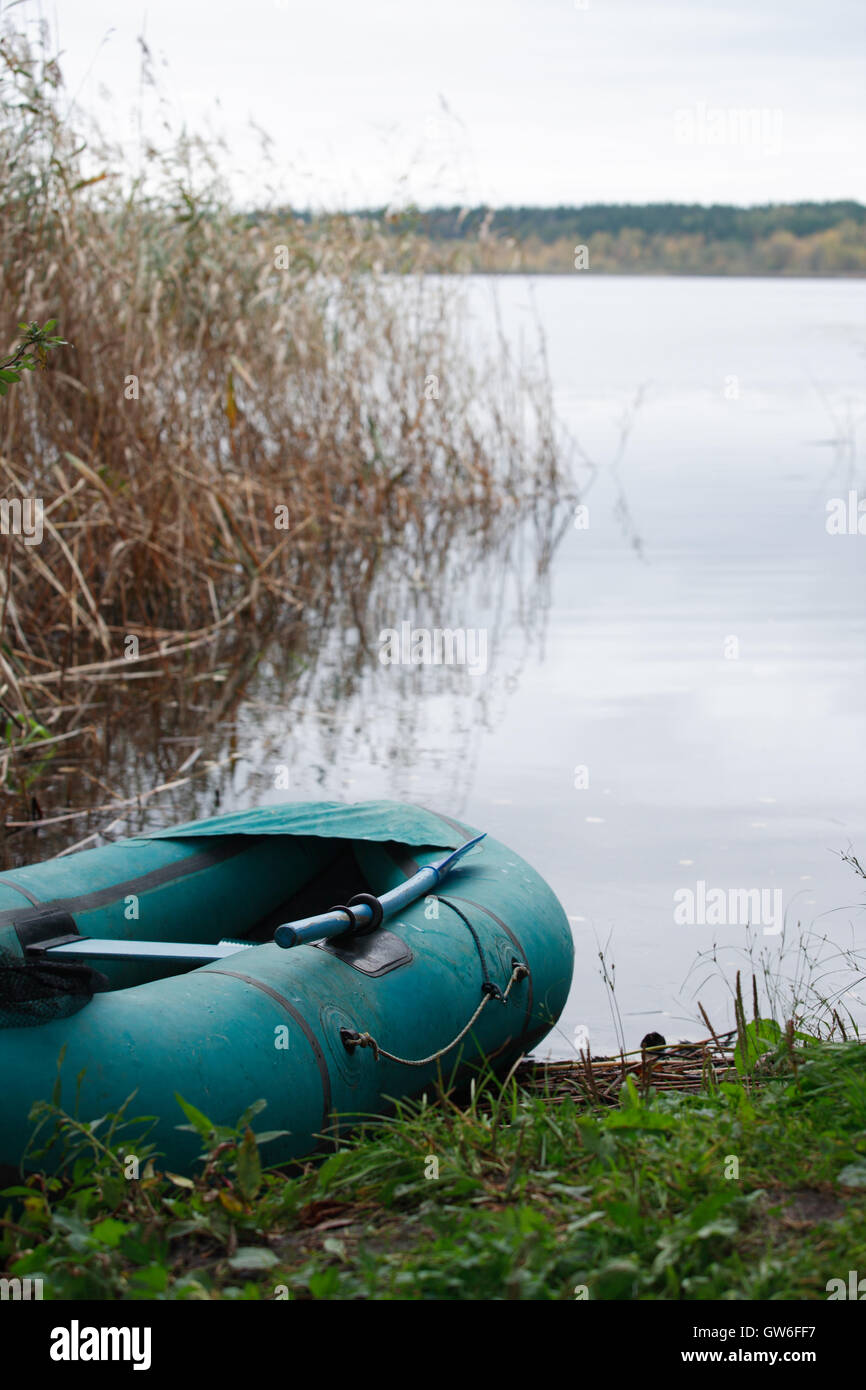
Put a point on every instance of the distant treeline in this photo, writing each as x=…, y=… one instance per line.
x=627, y=238
x=720, y=222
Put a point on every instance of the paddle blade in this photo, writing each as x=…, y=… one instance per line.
x=446, y=865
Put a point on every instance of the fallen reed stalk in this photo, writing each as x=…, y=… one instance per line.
x=598, y=1081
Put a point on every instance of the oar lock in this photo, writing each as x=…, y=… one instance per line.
x=356, y=928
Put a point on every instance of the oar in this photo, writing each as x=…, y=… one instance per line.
x=356, y=915
x=111, y=948
x=336, y=922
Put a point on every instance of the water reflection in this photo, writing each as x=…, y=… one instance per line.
x=307, y=709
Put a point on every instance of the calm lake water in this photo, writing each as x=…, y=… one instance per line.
x=701, y=662
x=712, y=682
x=683, y=701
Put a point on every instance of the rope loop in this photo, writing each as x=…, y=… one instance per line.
x=350, y=1040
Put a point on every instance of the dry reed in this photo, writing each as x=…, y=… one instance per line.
x=250, y=417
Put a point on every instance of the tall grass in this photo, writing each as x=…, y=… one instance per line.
x=250, y=415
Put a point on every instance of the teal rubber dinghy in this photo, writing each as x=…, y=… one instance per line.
x=179, y=987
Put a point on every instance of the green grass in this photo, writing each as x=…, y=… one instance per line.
x=532, y=1201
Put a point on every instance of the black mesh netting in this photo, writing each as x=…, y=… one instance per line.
x=36, y=991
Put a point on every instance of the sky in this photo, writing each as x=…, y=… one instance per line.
x=491, y=101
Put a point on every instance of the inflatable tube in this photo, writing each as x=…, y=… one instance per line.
x=267, y=1023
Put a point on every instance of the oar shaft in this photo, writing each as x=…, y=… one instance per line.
x=97, y=948
x=324, y=925
x=309, y=929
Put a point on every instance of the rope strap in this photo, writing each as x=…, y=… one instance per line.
x=353, y=1040
x=488, y=986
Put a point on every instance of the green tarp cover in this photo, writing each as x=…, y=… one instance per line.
x=363, y=820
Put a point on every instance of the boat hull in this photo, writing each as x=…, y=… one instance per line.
x=267, y=1023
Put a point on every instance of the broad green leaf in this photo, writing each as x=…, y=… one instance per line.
x=267, y=1136
x=153, y=1278
x=200, y=1123
x=249, y=1165
x=761, y=1035
x=250, y=1113
x=110, y=1232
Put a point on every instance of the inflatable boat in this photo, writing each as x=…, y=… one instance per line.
x=324, y=958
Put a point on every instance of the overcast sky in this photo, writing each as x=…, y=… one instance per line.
x=497, y=101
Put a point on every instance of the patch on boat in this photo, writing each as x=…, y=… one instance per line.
x=374, y=955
